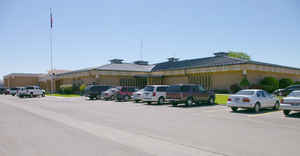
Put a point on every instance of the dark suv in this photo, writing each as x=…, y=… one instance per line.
x=125, y=93
x=4, y=91
x=95, y=91
x=286, y=91
x=189, y=94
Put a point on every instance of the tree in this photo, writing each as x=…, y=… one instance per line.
x=240, y=55
x=245, y=83
x=285, y=82
x=269, y=84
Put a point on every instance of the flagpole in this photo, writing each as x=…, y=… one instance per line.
x=51, y=51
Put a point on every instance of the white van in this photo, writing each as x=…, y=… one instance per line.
x=155, y=93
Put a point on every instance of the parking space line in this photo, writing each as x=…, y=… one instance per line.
x=262, y=114
x=215, y=110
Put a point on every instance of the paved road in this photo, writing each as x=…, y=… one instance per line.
x=76, y=126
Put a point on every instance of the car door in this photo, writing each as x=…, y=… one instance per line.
x=270, y=99
x=265, y=100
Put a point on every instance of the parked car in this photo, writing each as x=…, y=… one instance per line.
x=95, y=91
x=110, y=93
x=125, y=93
x=254, y=99
x=290, y=103
x=286, y=91
x=189, y=94
x=138, y=95
x=22, y=92
x=13, y=91
x=4, y=91
x=155, y=93
x=30, y=91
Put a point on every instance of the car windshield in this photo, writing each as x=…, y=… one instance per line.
x=173, y=89
x=294, y=94
x=149, y=88
x=29, y=88
x=13, y=89
x=245, y=92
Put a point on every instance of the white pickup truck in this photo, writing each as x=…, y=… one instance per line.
x=31, y=91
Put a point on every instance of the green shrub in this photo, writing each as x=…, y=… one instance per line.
x=235, y=88
x=285, y=82
x=66, y=90
x=269, y=84
x=82, y=88
x=244, y=83
x=297, y=82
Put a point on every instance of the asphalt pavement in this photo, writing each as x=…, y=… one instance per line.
x=78, y=126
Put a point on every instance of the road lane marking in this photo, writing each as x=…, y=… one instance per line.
x=148, y=144
x=262, y=114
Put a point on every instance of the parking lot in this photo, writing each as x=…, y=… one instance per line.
x=78, y=126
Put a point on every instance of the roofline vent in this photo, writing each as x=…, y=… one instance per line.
x=116, y=61
x=221, y=54
x=141, y=62
x=173, y=59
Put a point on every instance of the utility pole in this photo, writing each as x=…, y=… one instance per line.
x=51, y=51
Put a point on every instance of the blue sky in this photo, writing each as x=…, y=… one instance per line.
x=90, y=32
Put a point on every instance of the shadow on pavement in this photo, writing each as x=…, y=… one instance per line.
x=294, y=115
x=251, y=112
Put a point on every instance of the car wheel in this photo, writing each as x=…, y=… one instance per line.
x=256, y=108
x=211, y=100
x=276, y=106
x=43, y=95
x=286, y=112
x=149, y=102
x=174, y=104
x=161, y=101
x=136, y=101
x=189, y=102
x=31, y=95
x=234, y=109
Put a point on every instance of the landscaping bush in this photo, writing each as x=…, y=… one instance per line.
x=297, y=82
x=285, y=82
x=235, y=88
x=269, y=84
x=66, y=90
x=75, y=88
x=82, y=88
x=244, y=83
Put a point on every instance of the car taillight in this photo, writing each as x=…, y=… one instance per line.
x=246, y=100
x=229, y=99
x=154, y=94
x=281, y=101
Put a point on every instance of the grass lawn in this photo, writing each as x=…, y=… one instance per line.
x=221, y=99
x=64, y=95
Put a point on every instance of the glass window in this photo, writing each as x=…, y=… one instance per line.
x=195, y=89
x=29, y=88
x=201, y=89
x=294, y=94
x=263, y=93
x=185, y=88
x=161, y=89
x=124, y=89
x=149, y=88
x=173, y=89
x=131, y=90
x=244, y=92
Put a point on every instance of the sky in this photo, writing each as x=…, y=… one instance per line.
x=90, y=32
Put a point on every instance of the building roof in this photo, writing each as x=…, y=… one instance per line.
x=126, y=67
x=209, y=62
x=25, y=74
